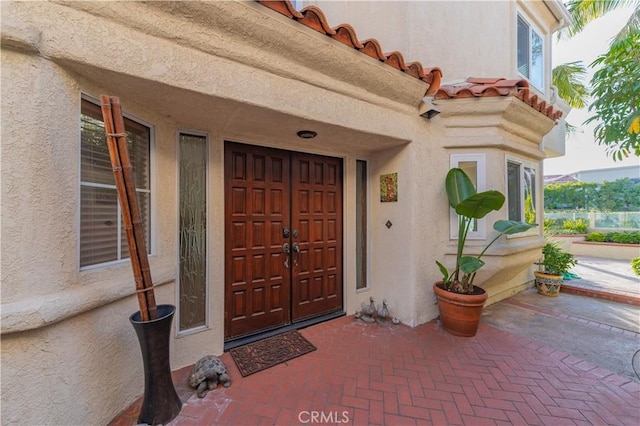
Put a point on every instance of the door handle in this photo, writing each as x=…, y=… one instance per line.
x=287, y=251
x=296, y=250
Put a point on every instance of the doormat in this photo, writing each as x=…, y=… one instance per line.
x=263, y=354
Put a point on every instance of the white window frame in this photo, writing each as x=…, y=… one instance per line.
x=152, y=189
x=481, y=183
x=532, y=28
x=524, y=164
x=206, y=325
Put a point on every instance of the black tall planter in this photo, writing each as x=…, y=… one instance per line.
x=161, y=403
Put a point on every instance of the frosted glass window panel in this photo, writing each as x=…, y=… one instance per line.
x=361, y=224
x=193, y=231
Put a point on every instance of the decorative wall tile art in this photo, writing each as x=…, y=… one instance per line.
x=389, y=187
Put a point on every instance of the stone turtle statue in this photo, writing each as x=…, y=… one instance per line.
x=207, y=373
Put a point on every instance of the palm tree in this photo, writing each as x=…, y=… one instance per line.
x=569, y=78
x=585, y=11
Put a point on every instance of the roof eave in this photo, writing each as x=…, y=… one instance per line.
x=560, y=12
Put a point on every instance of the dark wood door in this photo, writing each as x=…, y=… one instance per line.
x=317, y=231
x=276, y=202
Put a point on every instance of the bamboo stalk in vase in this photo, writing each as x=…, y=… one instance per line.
x=122, y=169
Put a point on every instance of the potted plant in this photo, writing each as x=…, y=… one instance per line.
x=460, y=302
x=555, y=263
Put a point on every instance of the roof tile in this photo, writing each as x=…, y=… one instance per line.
x=372, y=48
x=487, y=87
x=396, y=60
x=345, y=34
x=314, y=18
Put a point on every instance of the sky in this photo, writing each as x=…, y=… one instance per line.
x=582, y=153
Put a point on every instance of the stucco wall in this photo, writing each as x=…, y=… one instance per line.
x=468, y=39
x=70, y=326
x=228, y=75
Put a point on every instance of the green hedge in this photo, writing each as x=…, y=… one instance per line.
x=614, y=237
x=622, y=195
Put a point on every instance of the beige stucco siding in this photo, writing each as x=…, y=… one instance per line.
x=73, y=324
x=234, y=71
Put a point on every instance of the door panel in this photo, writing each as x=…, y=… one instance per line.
x=317, y=216
x=267, y=191
x=257, y=290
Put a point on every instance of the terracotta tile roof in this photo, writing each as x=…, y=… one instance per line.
x=485, y=87
x=313, y=17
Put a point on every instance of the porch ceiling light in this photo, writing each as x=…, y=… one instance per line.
x=307, y=134
x=427, y=109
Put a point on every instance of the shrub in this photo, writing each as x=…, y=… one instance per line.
x=555, y=260
x=597, y=237
x=635, y=265
x=624, y=237
x=614, y=237
x=549, y=224
x=578, y=226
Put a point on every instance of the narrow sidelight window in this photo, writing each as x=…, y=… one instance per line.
x=102, y=235
x=193, y=231
x=513, y=191
x=521, y=191
x=361, y=224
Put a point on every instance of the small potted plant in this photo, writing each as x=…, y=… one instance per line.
x=460, y=302
x=555, y=263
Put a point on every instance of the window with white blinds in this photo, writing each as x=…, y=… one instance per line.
x=102, y=235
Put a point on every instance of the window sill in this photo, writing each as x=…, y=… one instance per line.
x=41, y=311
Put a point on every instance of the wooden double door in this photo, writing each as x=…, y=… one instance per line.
x=283, y=242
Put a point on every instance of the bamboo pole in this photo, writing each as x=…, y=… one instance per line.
x=125, y=186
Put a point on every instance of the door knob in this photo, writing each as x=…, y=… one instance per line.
x=296, y=250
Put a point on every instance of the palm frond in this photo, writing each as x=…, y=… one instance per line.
x=570, y=129
x=633, y=24
x=584, y=12
x=569, y=79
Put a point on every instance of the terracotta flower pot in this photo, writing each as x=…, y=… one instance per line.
x=460, y=313
x=548, y=284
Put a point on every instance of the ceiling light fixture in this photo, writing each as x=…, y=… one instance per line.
x=307, y=134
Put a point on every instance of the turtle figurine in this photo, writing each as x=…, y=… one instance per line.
x=207, y=373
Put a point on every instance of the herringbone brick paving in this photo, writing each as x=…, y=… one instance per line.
x=364, y=374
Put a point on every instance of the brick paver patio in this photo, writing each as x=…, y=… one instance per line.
x=364, y=374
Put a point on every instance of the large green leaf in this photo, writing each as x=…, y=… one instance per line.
x=479, y=205
x=510, y=227
x=443, y=271
x=470, y=264
x=459, y=186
